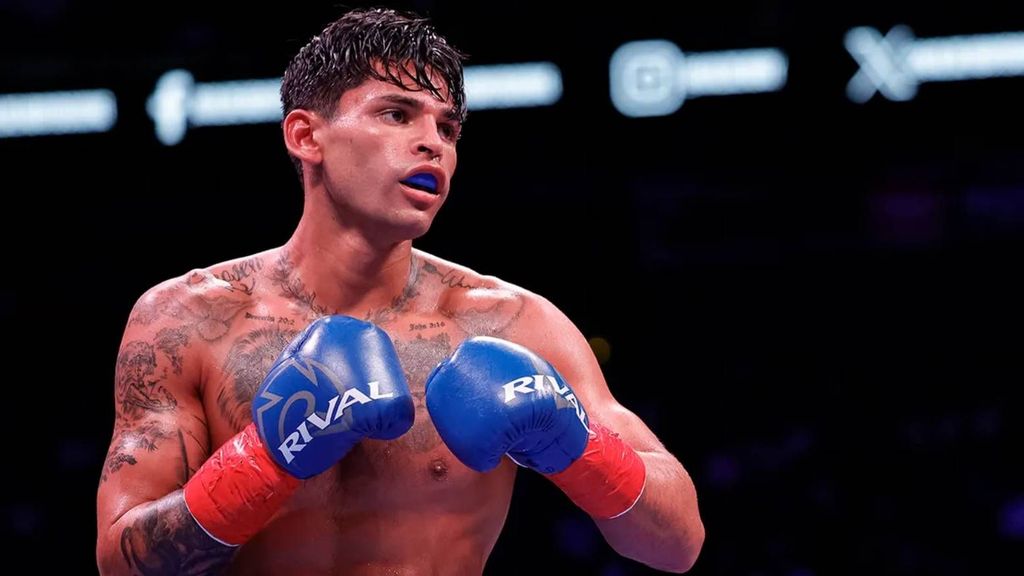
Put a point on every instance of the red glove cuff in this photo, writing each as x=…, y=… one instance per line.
x=607, y=480
x=236, y=491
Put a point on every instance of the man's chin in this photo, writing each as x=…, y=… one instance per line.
x=409, y=229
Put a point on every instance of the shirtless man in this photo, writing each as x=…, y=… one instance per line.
x=375, y=443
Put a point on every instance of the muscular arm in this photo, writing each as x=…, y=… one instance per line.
x=160, y=437
x=161, y=537
x=663, y=529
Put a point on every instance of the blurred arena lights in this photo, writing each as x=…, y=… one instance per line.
x=647, y=78
x=895, y=64
x=50, y=113
x=513, y=85
x=178, y=102
x=654, y=77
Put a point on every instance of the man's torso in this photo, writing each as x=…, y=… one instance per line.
x=405, y=506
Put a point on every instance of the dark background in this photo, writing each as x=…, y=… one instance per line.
x=815, y=304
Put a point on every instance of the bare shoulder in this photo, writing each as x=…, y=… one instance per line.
x=485, y=305
x=201, y=302
x=243, y=274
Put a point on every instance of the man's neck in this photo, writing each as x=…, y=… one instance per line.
x=342, y=271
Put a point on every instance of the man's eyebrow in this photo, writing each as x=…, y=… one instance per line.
x=415, y=104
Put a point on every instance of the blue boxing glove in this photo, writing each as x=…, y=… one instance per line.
x=337, y=382
x=492, y=397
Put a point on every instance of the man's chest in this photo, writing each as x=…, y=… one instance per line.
x=416, y=461
x=237, y=366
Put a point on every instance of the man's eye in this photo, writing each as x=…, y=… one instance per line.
x=450, y=132
x=395, y=115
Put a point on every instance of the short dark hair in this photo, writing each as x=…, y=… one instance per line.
x=388, y=45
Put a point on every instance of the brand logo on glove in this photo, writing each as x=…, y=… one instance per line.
x=564, y=397
x=336, y=406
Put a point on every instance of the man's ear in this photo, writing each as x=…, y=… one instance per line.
x=298, y=128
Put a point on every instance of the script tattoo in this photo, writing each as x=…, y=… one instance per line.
x=242, y=275
x=292, y=287
x=449, y=278
x=418, y=357
x=165, y=539
x=248, y=362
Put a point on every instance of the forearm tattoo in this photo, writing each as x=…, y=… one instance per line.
x=165, y=539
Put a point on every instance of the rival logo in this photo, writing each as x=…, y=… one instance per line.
x=303, y=434
x=298, y=439
x=537, y=383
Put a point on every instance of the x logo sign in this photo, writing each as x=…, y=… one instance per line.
x=883, y=64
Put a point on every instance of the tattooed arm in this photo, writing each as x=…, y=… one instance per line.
x=160, y=437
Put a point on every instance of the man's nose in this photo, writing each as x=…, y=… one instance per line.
x=430, y=152
x=428, y=141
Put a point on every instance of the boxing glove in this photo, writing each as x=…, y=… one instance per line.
x=337, y=382
x=492, y=397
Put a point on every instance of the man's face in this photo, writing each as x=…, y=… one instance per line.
x=388, y=158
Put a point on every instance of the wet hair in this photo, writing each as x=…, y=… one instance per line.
x=388, y=45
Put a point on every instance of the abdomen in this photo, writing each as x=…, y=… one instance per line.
x=386, y=509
